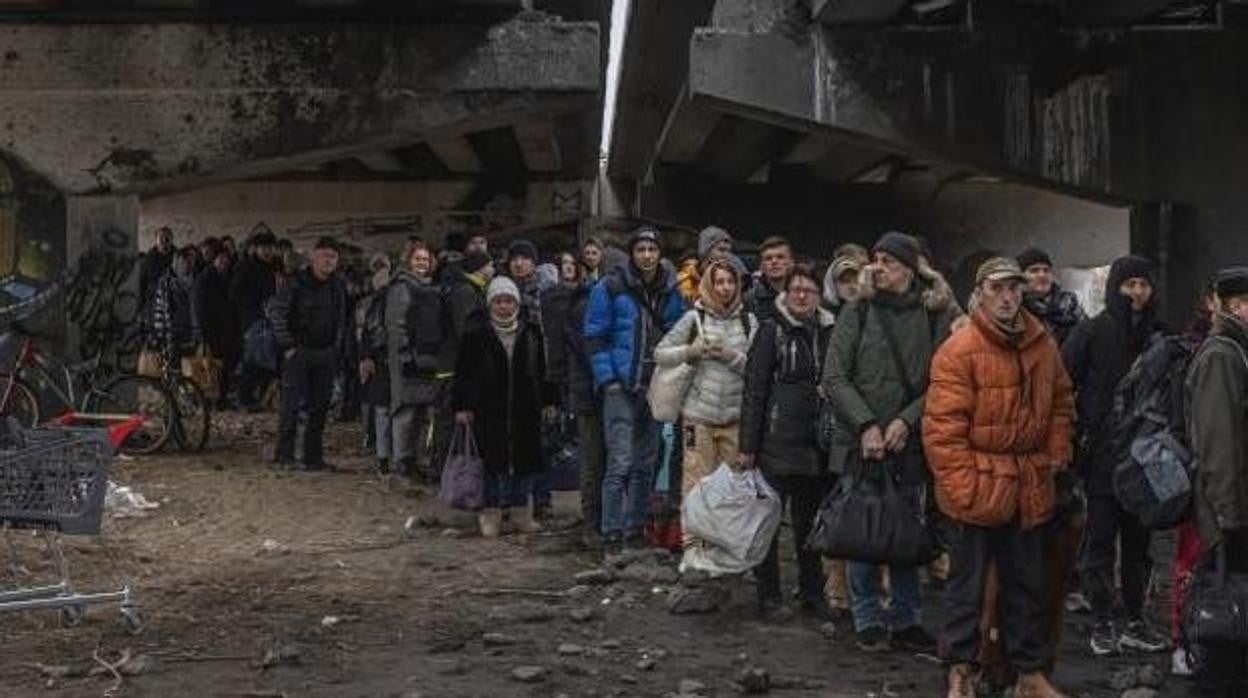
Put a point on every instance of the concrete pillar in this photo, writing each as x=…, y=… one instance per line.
x=102, y=257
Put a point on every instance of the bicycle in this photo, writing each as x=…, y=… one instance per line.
x=35, y=373
x=193, y=423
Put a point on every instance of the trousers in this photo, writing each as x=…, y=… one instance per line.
x=1107, y=523
x=802, y=495
x=1018, y=556
x=307, y=385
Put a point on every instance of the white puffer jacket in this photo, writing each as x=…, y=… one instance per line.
x=716, y=393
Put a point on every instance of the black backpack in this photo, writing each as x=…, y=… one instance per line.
x=1149, y=440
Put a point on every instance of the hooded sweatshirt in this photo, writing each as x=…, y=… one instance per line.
x=1097, y=354
x=714, y=397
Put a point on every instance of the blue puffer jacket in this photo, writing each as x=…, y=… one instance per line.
x=625, y=321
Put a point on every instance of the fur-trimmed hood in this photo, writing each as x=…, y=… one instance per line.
x=937, y=295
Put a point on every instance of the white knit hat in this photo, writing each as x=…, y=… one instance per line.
x=502, y=286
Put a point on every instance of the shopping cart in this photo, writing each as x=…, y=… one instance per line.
x=54, y=482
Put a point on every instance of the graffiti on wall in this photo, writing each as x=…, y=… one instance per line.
x=101, y=302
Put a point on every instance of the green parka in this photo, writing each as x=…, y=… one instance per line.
x=860, y=376
x=1217, y=385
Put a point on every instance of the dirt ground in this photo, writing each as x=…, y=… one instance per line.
x=256, y=583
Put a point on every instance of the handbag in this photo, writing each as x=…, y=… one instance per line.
x=1216, y=612
x=866, y=519
x=260, y=345
x=150, y=364
x=670, y=384
x=204, y=370
x=463, y=474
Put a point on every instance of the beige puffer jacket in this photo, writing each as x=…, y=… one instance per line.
x=716, y=393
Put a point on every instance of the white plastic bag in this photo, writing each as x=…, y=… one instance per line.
x=733, y=515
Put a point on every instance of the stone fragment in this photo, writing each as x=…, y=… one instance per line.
x=754, y=681
x=497, y=640
x=569, y=649
x=581, y=615
x=1142, y=692
x=691, y=687
x=645, y=664
x=596, y=577
x=530, y=674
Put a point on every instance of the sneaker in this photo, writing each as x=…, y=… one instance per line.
x=914, y=639
x=874, y=640
x=1103, y=641
x=1181, y=663
x=1140, y=635
x=1076, y=602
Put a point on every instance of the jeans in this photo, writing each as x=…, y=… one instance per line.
x=593, y=455
x=410, y=425
x=803, y=495
x=1107, y=521
x=1019, y=558
x=383, y=430
x=632, y=438
x=504, y=491
x=307, y=383
x=906, y=604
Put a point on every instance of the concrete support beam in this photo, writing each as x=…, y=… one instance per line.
x=685, y=131
x=457, y=154
x=1108, y=11
x=539, y=146
x=381, y=161
x=929, y=95
x=855, y=11
x=139, y=108
x=655, y=66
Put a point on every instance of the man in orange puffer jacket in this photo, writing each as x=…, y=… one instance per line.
x=996, y=429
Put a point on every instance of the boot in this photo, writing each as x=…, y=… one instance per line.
x=491, y=522
x=961, y=681
x=1035, y=685
x=523, y=522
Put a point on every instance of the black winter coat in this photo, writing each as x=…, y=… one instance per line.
x=555, y=304
x=218, y=321
x=465, y=305
x=505, y=397
x=1097, y=354
x=760, y=299
x=582, y=399
x=370, y=324
x=780, y=409
x=252, y=285
x=153, y=267
x=310, y=314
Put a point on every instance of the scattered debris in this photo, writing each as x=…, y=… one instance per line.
x=645, y=664
x=530, y=674
x=498, y=640
x=700, y=599
x=335, y=621
x=754, y=681
x=569, y=649
x=581, y=615
x=281, y=655
x=597, y=576
x=127, y=503
x=521, y=613
x=690, y=687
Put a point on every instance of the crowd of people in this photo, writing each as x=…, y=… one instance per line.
x=999, y=420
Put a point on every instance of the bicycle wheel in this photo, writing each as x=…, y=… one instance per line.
x=138, y=396
x=194, y=422
x=22, y=404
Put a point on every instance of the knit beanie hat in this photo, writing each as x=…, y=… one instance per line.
x=710, y=237
x=1032, y=256
x=475, y=261
x=902, y=247
x=644, y=234
x=502, y=286
x=522, y=248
